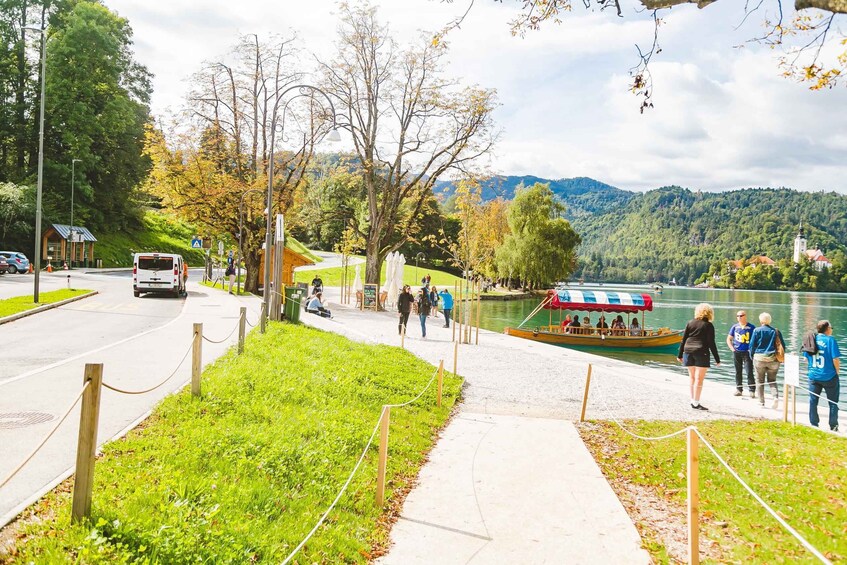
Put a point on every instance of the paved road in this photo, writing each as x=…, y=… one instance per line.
x=140, y=341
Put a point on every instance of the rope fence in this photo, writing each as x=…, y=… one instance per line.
x=151, y=389
x=693, y=434
x=17, y=469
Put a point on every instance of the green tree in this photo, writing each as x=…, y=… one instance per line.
x=542, y=245
x=97, y=109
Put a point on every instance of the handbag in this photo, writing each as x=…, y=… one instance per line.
x=780, y=350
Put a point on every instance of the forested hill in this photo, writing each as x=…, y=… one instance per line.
x=581, y=195
x=674, y=232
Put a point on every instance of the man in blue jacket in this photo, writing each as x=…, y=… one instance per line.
x=823, y=374
x=446, y=306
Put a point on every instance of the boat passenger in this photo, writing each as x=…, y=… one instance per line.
x=566, y=322
x=618, y=326
x=634, y=328
x=602, y=326
x=574, y=327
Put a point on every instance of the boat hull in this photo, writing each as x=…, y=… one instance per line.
x=660, y=339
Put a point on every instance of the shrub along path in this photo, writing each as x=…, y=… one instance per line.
x=243, y=474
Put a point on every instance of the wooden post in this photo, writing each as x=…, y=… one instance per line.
x=478, y=308
x=455, y=309
x=89, y=418
x=262, y=319
x=785, y=393
x=585, y=394
x=403, y=337
x=440, y=380
x=693, y=497
x=196, y=359
x=794, y=405
x=459, y=313
x=383, y=456
x=455, y=357
x=242, y=327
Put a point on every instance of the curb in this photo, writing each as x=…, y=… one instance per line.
x=26, y=313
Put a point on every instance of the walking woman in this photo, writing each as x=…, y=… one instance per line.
x=763, y=345
x=697, y=341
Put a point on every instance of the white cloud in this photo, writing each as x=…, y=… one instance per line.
x=723, y=116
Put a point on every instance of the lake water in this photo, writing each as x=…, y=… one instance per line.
x=794, y=314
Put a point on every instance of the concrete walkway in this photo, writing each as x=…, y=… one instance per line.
x=510, y=480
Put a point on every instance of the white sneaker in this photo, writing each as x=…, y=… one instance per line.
x=775, y=403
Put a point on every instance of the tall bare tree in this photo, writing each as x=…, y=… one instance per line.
x=409, y=122
x=238, y=108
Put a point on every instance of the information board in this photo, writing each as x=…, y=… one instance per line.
x=792, y=369
x=369, y=296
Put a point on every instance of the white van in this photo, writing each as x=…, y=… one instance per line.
x=158, y=272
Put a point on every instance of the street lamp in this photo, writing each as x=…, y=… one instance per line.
x=304, y=90
x=37, y=269
x=73, y=171
x=241, y=234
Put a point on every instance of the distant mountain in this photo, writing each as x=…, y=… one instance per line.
x=581, y=195
x=673, y=232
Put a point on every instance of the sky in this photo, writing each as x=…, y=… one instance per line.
x=724, y=117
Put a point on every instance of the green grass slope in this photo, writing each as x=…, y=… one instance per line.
x=161, y=233
x=243, y=474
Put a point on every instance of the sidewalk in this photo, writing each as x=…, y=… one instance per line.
x=510, y=480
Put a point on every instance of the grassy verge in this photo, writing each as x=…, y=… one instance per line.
x=225, y=287
x=799, y=471
x=18, y=304
x=332, y=276
x=161, y=233
x=243, y=474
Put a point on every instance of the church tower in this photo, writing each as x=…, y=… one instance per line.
x=799, y=244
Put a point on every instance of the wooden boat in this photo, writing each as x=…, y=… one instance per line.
x=598, y=301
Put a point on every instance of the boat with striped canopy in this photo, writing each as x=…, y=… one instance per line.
x=598, y=301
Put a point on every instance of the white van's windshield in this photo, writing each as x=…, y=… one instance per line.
x=156, y=263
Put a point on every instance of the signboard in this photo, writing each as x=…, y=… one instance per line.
x=792, y=369
x=220, y=248
x=369, y=296
x=196, y=243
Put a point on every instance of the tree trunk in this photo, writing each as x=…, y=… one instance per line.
x=373, y=264
x=251, y=281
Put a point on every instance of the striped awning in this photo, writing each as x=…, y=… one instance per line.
x=598, y=301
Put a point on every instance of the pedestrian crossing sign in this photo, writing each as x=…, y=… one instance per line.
x=197, y=243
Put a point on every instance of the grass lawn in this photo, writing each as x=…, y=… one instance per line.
x=161, y=233
x=10, y=306
x=226, y=286
x=243, y=474
x=800, y=472
x=332, y=276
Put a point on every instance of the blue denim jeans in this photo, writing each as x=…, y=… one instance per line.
x=423, y=324
x=832, y=389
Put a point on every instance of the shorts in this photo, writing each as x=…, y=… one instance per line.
x=695, y=359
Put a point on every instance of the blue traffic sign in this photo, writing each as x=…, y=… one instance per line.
x=197, y=243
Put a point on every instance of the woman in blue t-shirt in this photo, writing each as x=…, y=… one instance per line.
x=823, y=374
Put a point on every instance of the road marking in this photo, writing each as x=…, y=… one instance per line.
x=99, y=349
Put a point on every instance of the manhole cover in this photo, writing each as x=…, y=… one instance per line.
x=10, y=420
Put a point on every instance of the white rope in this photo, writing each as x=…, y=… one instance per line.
x=337, y=498
x=151, y=389
x=40, y=445
x=770, y=510
x=352, y=474
x=226, y=338
x=418, y=396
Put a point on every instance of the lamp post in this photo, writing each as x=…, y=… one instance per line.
x=37, y=269
x=304, y=90
x=73, y=171
x=241, y=235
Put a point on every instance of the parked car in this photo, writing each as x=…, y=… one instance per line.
x=18, y=263
x=4, y=266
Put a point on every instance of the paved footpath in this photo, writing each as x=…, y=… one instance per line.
x=510, y=480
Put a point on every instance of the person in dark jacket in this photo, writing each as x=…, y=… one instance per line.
x=697, y=341
x=423, y=309
x=404, y=306
x=763, y=352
